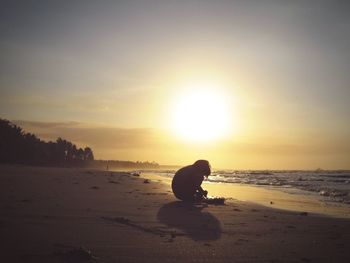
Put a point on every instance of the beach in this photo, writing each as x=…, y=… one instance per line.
x=86, y=215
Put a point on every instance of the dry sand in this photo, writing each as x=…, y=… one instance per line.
x=47, y=214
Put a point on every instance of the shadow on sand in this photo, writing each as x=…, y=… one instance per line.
x=189, y=218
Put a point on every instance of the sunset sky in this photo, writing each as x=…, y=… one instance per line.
x=114, y=74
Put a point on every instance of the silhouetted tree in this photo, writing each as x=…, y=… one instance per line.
x=16, y=146
x=80, y=154
x=88, y=154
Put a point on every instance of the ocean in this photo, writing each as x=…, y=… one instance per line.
x=329, y=185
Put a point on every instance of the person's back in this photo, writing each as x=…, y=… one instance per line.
x=186, y=184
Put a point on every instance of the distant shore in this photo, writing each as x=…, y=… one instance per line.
x=87, y=215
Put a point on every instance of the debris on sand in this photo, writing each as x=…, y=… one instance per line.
x=113, y=182
x=214, y=201
x=135, y=174
x=95, y=187
x=121, y=220
x=303, y=213
x=80, y=254
x=146, y=181
x=68, y=255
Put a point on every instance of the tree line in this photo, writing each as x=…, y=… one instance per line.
x=20, y=147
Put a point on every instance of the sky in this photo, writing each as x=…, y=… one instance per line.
x=110, y=74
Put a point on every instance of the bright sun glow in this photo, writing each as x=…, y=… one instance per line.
x=202, y=114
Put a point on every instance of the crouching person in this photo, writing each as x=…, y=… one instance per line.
x=186, y=184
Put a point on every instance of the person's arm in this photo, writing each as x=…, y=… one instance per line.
x=202, y=191
x=198, y=179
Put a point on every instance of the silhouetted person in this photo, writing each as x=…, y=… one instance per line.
x=187, y=181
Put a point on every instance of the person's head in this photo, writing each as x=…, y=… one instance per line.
x=203, y=167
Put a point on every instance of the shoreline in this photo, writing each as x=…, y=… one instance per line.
x=76, y=215
x=300, y=201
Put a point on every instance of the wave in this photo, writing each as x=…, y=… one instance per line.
x=330, y=185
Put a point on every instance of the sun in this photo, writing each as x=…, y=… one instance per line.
x=201, y=114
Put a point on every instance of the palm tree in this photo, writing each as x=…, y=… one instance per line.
x=88, y=154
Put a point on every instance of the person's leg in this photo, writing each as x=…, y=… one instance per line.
x=185, y=194
x=188, y=198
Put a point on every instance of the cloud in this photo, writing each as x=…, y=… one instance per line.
x=110, y=142
x=326, y=147
x=96, y=136
x=110, y=138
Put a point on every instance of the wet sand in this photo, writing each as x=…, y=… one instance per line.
x=81, y=215
x=293, y=200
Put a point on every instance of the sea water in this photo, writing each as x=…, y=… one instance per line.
x=329, y=185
